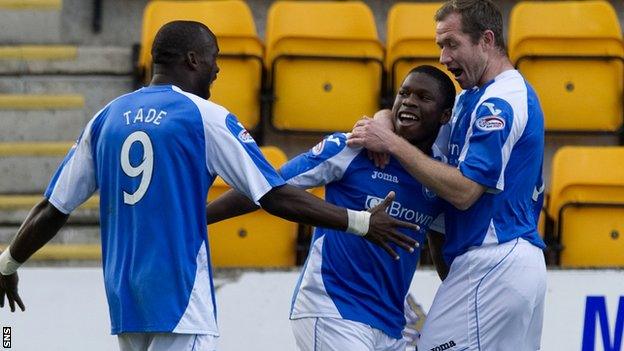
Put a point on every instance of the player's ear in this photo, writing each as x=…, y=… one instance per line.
x=446, y=116
x=192, y=60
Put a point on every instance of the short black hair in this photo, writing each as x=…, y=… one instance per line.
x=176, y=38
x=445, y=84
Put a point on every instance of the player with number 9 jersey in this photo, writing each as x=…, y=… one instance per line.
x=153, y=155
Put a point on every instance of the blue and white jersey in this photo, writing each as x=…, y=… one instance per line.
x=345, y=276
x=153, y=154
x=497, y=140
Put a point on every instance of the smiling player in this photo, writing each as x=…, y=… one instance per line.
x=350, y=295
x=493, y=297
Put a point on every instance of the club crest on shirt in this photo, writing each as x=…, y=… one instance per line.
x=245, y=137
x=428, y=193
x=318, y=148
x=490, y=123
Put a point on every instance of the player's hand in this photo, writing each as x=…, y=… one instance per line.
x=414, y=320
x=8, y=287
x=383, y=229
x=372, y=134
x=380, y=159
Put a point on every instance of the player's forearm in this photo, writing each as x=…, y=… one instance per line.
x=446, y=181
x=297, y=205
x=41, y=225
x=231, y=204
x=436, y=242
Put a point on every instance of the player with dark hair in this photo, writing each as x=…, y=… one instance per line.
x=350, y=296
x=493, y=296
x=153, y=154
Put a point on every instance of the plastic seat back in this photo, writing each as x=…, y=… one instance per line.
x=411, y=41
x=239, y=81
x=256, y=239
x=325, y=64
x=572, y=54
x=587, y=203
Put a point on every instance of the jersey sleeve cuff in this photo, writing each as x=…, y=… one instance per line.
x=270, y=186
x=478, y=177
x=58, y=205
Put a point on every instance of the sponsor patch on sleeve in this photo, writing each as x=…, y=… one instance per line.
x=490, y=123
x=245, y=137
x=318, y=148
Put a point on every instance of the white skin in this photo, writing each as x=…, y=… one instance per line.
x=473, y=64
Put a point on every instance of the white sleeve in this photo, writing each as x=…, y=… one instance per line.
x=74, y=181
x=234, y=155
x=324, y=163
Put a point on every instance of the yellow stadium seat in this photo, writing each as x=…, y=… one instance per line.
x=541, y=223
x=239, y=81
x=572, y=54
x=325, y=64
x=257, y=239
x=411, y=41
x=587, y=202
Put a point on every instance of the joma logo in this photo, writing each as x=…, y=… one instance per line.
x=385, y=176
x=444, y=346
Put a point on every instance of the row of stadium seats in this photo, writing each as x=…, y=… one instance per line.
x=584, y=213
x=322, y=65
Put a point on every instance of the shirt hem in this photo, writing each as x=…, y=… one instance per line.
x=158, y=330
x=338, y=316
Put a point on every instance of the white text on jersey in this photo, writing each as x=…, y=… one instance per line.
x=398, y=211
x=385, y=176
x=152, y=116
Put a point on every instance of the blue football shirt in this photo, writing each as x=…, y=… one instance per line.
x=345, y=276
x=153, y=154
x=497, y=140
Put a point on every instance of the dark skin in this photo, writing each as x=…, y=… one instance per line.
x=416, y=116
x=194, y=73
x=436, y=242
x=416, y=98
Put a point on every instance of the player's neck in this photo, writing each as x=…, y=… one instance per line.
x=166, y=79
x=497, y=65
x=171, y=76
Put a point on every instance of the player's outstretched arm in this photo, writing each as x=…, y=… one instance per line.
x=41, y=225
x=231, y=204
x=376, y=226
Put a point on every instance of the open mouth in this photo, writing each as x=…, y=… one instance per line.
x=408, y=117
x=456, y=71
